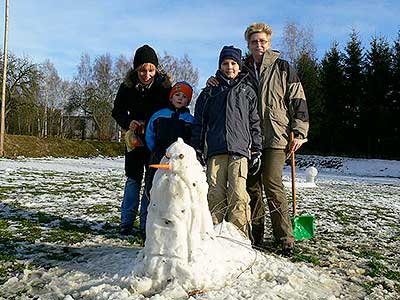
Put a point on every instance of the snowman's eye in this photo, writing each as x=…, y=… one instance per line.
x=167, y=155
x=181, y=156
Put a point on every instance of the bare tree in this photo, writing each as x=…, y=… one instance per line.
x=64, y=94
x=82, y=97
x=93, y=92
x=50, y=86
x=121, y=68
x=297, y=41
x=21, y=92
x=105, y=89
x=82, y=87
x=181, y=69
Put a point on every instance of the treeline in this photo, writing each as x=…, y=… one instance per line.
x=353, y=95
x=40, y=103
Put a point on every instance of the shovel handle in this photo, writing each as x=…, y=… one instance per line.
x=293, y=172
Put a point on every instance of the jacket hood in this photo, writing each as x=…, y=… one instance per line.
x=132, y=79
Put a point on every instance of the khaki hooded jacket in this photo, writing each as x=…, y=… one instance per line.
x=281, y=102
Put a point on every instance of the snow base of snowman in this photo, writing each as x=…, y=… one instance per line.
x=216, y=260
x=184, y=251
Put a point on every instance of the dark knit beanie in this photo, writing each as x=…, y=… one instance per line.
x=145, y=54
x=232, y=53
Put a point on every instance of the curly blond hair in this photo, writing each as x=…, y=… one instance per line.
x=257, y=27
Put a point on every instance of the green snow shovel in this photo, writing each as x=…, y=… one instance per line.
x=303, y=226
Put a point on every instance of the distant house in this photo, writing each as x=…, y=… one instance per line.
x=79, y=127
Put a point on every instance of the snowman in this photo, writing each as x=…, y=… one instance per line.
x=178, y=220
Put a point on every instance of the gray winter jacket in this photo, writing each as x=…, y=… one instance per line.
x=226, y=118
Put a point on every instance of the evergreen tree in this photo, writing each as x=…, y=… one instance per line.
x=332, y=88
x=393, y=135
x=395, y=70
x=308, y=71
x=375, y=111
x=355, y=78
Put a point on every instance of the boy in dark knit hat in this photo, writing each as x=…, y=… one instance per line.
x=164, y=128
x=226, y=120
x=143, y=92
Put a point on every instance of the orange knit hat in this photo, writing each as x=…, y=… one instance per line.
x=184, y=87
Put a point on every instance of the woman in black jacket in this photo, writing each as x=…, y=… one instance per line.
x=143, y=92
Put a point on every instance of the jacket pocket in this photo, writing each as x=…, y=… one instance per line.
x=280, y=117
x=280, y=128
x=243, y=168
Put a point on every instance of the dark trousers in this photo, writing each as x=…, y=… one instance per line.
x=255, y=191
x=270, y=177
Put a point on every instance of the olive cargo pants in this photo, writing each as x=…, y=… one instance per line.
x=227, y=195
x=270, y=177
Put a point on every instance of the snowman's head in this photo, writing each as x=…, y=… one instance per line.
x=179, y=158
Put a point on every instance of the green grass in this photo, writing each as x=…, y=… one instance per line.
x=114, y=219
x=342, y=217
x=6, y=189
x=68, y=233
x=8, y=258
x=3, y=224
x=8, y=269
x=71, y=226
x=349, y=232
x=135, y=240
x=99, y=209
x=368, y=253
x=300, y=257
x=31, y=146
x=5, y=234
x=377, y=268
x=45, y=218
x=59, y=235
x=368, y=286
x=30, y=231
x=393, y=275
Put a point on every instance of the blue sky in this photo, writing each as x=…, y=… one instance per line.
x=61, y=30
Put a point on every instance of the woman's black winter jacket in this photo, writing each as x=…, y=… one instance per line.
x=137, y=102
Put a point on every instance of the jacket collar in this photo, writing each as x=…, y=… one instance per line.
x=227, y=82
x=270, y=56
x=178, y=110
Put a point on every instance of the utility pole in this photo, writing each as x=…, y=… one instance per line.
x=3, y=93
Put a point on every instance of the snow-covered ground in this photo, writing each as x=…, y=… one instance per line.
x=59, y=235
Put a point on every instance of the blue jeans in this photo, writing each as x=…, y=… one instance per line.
x=143, y=208
x=130, y=204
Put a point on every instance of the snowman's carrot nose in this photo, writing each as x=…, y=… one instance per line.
x=161, y=166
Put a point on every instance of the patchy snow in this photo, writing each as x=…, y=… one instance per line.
x=59, y=237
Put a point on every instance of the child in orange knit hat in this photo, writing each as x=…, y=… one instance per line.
x=165, y=126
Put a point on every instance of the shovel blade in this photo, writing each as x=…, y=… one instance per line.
x=303, y=227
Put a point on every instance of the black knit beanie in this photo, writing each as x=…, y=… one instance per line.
x=145, y=54
x=232, y=53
